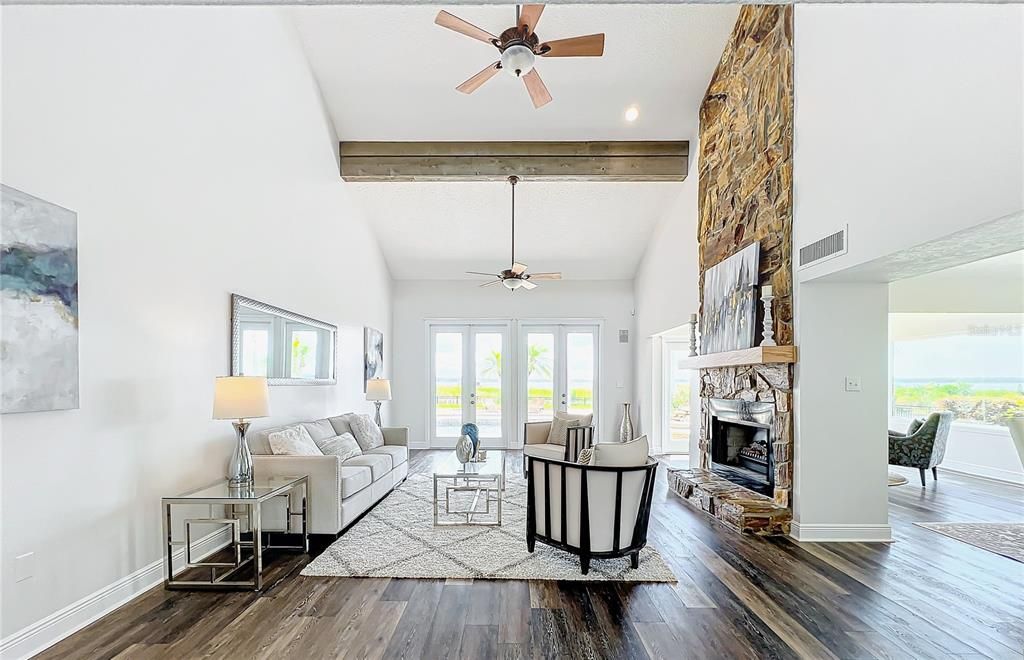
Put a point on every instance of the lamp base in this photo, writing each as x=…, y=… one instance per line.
x=240, y=471
x=376, y=417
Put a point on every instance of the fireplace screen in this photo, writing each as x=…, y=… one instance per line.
x=741, y=443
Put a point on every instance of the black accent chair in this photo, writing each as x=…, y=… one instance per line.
x=535, y=438
x=595, y=512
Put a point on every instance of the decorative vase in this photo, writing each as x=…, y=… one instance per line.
x=464, y=449
x=470, y=429
x=626, y=428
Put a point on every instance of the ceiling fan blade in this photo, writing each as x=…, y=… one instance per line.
x=539, y=93
x=518, y=268
x=545, y=276
x=591, y=45
x=527, y=284
x=529, y=15
x=476, y=272
x=489, y=283
x=479, y=79
x=444, y=19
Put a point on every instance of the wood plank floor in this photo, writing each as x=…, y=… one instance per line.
x=925, y=596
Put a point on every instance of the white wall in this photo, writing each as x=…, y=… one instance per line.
x=908, y=123
x=416, y=302
x=907, y=128
x=193, y=145
x=841, y=441
x=666, y=292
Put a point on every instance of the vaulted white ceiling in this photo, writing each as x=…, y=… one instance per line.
x=389, y=73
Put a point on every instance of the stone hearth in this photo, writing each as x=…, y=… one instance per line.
x=735, y=505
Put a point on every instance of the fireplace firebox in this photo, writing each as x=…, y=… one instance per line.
x=741, y=443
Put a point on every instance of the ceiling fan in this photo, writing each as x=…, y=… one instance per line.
x=516, y=276
x=519, y=46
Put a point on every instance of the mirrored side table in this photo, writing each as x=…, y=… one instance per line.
x=238, y=505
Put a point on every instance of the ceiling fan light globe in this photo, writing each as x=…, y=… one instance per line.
x=512, y=283
x=517, y=60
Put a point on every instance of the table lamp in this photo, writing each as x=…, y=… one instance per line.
x=377, y=390
x=240, y=398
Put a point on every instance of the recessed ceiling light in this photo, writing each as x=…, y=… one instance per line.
x=632, y=112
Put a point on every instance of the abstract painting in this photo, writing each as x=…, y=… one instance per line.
x=38, y=304
x=729, y=307
x=373, y=355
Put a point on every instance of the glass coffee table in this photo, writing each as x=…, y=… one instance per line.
x=481, y=482
x=237, y=504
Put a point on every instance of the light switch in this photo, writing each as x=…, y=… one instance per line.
x=24, y=566
x=853, y=384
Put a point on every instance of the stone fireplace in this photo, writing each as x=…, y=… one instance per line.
x=745, y=474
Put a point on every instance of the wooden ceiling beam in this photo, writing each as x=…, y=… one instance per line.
x=495, y=161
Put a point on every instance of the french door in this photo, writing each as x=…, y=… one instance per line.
x=470, y=381
x=558, y=371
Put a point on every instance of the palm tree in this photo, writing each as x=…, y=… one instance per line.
x=538, y=362
x=492, y=364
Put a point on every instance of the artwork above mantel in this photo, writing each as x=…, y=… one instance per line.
x=756, y=355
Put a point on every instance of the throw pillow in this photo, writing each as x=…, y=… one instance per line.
x=586, y=456
x=915, y=426
x=293, y=441
x=367, y=434
x=343, y=446
x=559, y=428
x=621, y=454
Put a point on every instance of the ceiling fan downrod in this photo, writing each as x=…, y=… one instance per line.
x=513, y=180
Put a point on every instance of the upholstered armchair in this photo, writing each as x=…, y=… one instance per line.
x=595, y=511
x=537, y=442
x=923, y=445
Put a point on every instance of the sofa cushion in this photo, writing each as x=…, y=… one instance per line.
x=321, y=429
x=293, y=441
x=621, y=454
x=258, y=442
x=557, y=435
x=367, y=433
x=399, y=453
x=553, y=452
x=354, y=478
x=379, y=463
x=343, y=446
x=340, y=424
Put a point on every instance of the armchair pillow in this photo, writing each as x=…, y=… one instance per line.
x=559, y=428
x=366, y=432
x=293, y=441
x=621, y=454
x=343, y=446
x=557, y=435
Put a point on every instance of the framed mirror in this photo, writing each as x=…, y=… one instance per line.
x=285, y=347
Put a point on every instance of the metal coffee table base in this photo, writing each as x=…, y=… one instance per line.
x=485, y=486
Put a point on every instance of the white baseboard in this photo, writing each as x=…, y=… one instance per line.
x=46, y=632
x=983, y=472
x=829, y=533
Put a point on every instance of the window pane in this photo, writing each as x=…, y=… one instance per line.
x=255, y=351
x=488, y=384
x=540, y=384
x=679, y=399
x=447, y=384
x=303, y=358
x=970, y=364
x=579, y=358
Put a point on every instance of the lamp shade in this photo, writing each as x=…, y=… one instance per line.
x=378, y=389
x=240, y=397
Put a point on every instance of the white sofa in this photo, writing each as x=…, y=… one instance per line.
x=339, y=491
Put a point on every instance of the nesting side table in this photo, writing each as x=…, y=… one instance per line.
x=238, y=504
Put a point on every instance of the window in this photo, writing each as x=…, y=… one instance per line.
x=302, y=363
x=676, y=404
x=970, y=364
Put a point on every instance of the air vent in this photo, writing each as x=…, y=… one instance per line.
x=831, y=246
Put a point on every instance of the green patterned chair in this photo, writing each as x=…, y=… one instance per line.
x=923, y=445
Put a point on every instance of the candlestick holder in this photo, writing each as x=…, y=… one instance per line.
x=768, y=325
x=693, y=339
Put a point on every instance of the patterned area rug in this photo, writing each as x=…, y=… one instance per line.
x=1006, y=539
x=398, y=539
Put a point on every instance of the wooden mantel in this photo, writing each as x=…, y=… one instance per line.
x=756, y=355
